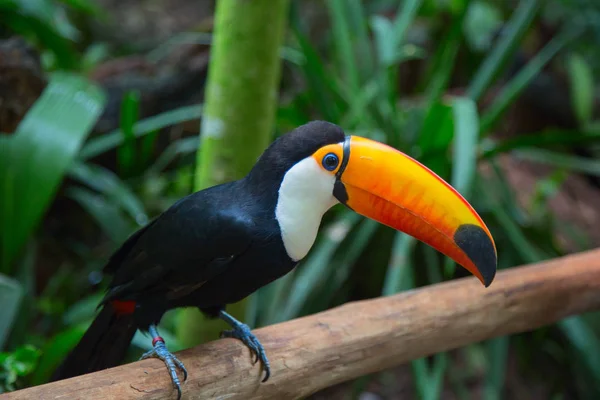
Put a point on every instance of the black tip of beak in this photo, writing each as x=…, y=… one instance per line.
x=478, y=246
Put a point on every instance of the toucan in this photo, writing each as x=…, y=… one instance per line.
x=216, y=246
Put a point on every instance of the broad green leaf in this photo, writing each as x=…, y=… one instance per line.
x=39, y=154
x=10, y=299
x=25, y=274
x=582, y=88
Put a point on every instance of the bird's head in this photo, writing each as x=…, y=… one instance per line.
x=317, y=165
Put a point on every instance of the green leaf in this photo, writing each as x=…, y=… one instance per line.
x=492, y=148
x=466, y=132
x=480, y=25
x=343, y=42
x=429, y=383
x=584, y=341
x=126, y=153
x=86, y=6
x=111, y=140
x=357, y=20
x=560, y=160
x=399, y=274
x=83, y=310
x=323, y=92
x=494, y=62
x=405, y=15
x=36, y=24
x=516, y=85
x=19, y=363
x=109, y=184
x=527, y=250
x=55, y=350
x=495, y=379
x=39, y=154
x=383, y=32
x=341, y=268
x=188, y=145
x=582, y=88
x=10, y=299
x=437, y=130
x=25, y=274
x=106, y=214
x=435, y=80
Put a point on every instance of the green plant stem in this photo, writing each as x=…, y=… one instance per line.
x=239, y=112
x=242, y=88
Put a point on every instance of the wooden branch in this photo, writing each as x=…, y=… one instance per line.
x=318, y=351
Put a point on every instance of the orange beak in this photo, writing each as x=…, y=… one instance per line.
x=386, y=185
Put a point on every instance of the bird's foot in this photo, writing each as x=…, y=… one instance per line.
x=242, y=332
x=160, y=351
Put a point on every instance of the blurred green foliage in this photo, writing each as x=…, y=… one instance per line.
x=19, y=363
x=355, y=71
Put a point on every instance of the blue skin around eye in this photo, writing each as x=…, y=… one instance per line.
x=330, y=161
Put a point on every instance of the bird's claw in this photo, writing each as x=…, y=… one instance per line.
x=160, y=351
x=242, y=332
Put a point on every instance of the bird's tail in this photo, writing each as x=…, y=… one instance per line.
x=103, y=345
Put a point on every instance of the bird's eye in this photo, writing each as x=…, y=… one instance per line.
x=330, y=161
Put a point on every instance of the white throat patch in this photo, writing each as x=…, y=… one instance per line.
x=306, y=193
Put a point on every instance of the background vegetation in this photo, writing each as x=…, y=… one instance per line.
x=101, y=133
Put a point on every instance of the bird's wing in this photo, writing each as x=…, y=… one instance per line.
x=183, y=248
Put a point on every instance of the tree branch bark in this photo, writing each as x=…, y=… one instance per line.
x=310, y=353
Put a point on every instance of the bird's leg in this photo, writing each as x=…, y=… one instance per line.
x=172, y=362
x=242, y=332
